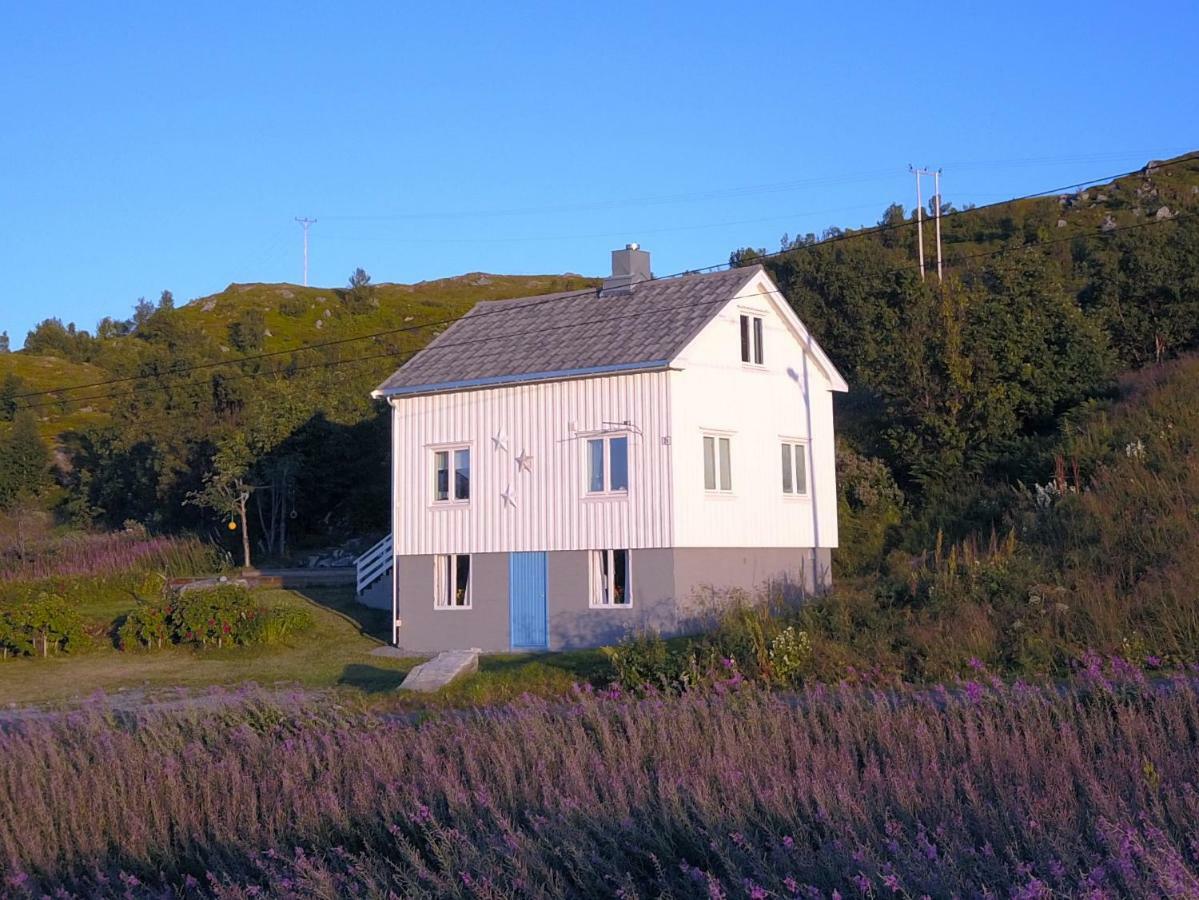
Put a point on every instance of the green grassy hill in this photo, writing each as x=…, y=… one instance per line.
x=294, y=317
x=298, y=315
x=43, y=373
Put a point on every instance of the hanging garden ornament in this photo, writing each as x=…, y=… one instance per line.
x=232, y=526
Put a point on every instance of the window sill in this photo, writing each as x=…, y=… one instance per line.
x=797, y=498
x=625, y=606
x=449, y=504
x=437, y=608
x=756, y=367
x=719, y=495
x=606, y=495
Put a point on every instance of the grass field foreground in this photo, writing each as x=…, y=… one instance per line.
x=993, y=790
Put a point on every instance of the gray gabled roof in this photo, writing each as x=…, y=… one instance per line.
x=569, y=335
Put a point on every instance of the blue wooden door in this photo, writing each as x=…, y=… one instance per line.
x=527, y=600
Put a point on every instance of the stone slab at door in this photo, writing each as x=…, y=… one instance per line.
x=527, y=583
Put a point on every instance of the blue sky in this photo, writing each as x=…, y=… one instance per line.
x=161, y=145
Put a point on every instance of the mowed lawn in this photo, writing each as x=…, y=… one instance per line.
x=335, y=654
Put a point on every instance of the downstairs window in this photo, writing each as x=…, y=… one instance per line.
x=610, y=579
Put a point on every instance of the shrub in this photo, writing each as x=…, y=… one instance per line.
x=219, y=615
x=790, y=655
x=44, y=624
x=15, y=638
x=273, y=626
x=293, y=307
x=639, y=660
x=148, y=626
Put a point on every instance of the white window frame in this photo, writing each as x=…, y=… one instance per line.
x=751, y=337
x=595, y=561
x=445, y=580
x=798, y=452
x=606, y=439
x=723, y=486
x=452, y=451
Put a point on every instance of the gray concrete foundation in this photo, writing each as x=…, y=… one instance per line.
x=674, y=591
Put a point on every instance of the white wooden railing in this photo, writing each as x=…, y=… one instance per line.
x=374, y=564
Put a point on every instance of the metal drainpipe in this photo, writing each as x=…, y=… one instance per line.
x=395, y=522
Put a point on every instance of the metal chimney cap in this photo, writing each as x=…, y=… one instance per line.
x=632, y=246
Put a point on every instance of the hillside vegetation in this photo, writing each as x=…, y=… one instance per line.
x=961, y=392
x=296, y=427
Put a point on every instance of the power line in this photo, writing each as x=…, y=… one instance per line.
x=882, y=229
x=403, y=356
x=866, y=232
x=734, y=192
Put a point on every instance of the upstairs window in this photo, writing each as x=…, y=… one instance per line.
x=608, y=465
x=795, y=468
x=751, y=339
x=451, y=581
x=610, y=579
x=718, y=463
x=451, y=474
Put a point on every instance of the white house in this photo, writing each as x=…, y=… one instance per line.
x=571, y=467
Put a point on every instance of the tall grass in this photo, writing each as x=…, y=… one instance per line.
x=992, y=790
x=107, y=554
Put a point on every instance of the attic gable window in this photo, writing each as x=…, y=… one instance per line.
x=751, y=339
x=451, y=475
x=608, y=465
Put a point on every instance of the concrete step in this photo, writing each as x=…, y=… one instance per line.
x=441, y=670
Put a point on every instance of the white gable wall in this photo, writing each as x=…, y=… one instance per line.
x=551, y=422
x=789, y=396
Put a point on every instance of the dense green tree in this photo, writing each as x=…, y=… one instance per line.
x=24, y=461
x=143, y=311
x=166, y=301
x=51, y=337
x=1143, y=287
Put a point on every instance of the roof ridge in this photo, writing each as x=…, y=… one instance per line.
x=598, y=290
x=554, y=333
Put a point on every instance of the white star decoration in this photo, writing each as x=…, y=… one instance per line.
x=508, y=497
x=524, y=462
x=500, y=441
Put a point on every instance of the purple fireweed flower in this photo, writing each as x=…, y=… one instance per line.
x=756, y=891
x=976, y=664
x=862, y=882
x=791, y=884
x=788, y=842
x=974, y=691
x=892, y=883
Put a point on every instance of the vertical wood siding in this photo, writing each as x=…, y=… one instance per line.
x=551, y=422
